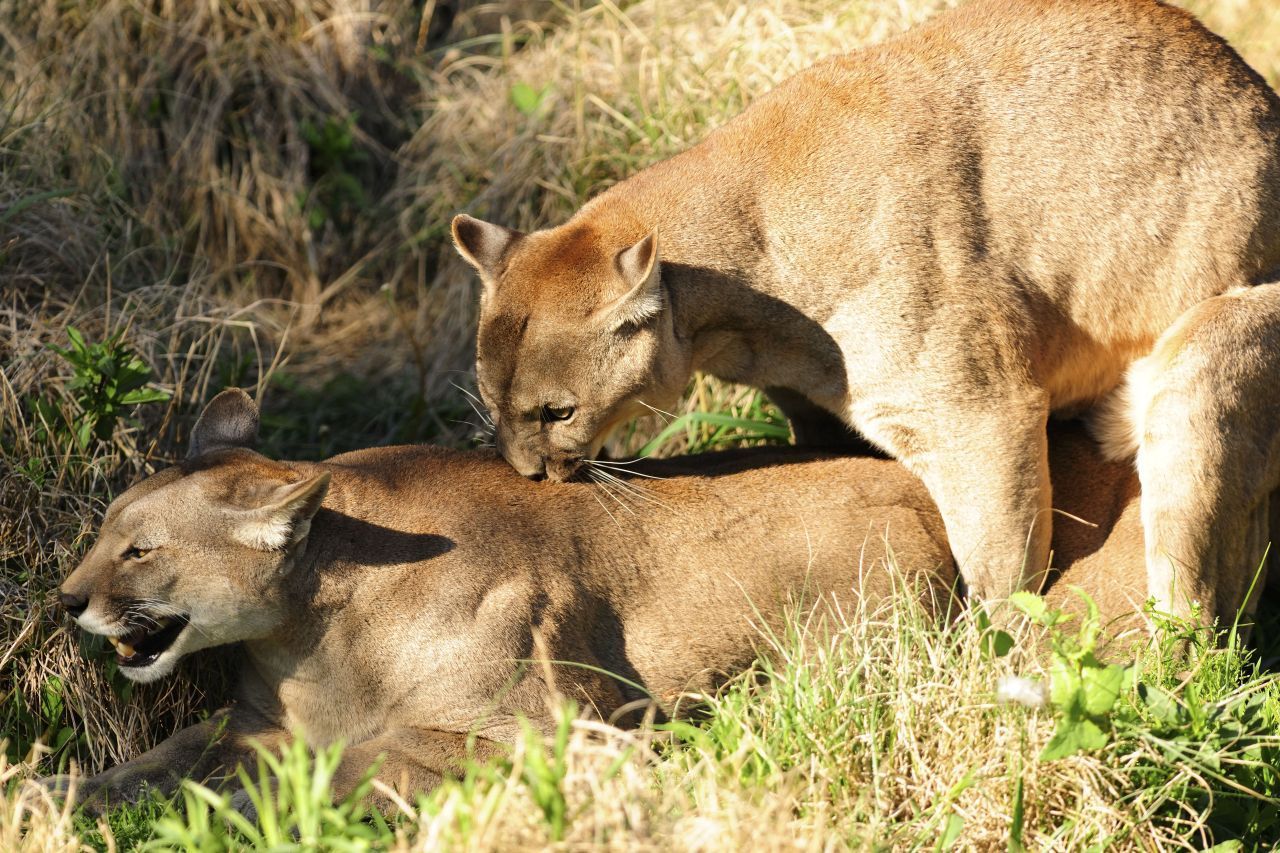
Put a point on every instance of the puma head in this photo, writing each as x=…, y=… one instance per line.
x=196, y=555
x=575, y=338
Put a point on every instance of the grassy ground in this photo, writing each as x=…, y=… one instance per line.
x=257, y=194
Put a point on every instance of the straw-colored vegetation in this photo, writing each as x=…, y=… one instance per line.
x=257, y=193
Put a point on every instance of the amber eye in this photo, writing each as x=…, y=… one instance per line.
x=556, y=413
x=135, y=553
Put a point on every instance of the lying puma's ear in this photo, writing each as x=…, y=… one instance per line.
x=284, y=519
x=230, y=420
x=482, y=244
x=642, y=276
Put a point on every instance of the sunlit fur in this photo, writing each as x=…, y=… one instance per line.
x=939, y=239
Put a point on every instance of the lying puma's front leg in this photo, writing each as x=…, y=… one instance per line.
x=207, y=751
x=413, y=760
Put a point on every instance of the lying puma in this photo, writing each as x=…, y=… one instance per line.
x=937, y=240
x=394, y=597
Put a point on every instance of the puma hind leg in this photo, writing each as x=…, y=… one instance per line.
x=1202, y=414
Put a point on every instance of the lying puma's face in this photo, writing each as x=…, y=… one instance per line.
x=574, y=340
x=193, y=557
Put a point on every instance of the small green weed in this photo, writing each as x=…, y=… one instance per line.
x=108, y=379
x=1198, y=741
x=528, y=100
x=338, y=166
x=1082, y=689
x=544, y=769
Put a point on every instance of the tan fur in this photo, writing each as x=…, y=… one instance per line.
x=938, y=240
x=1202, y=414
x=404, y=617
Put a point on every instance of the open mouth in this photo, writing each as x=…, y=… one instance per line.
x=144, y=643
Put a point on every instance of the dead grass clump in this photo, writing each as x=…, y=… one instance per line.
x=256, y=135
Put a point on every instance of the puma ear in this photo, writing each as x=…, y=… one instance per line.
x=642, y=276
x=284, y=519
x=482, y=244
x=229, y=420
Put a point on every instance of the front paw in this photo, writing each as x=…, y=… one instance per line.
x=120, y=786
x=243, y=803
x=82, y=791
x=59, y=786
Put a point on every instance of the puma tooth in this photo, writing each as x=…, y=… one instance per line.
x=125, y=650
x=115, y=641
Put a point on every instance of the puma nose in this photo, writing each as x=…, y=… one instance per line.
x=562, y=470
x=72, y=603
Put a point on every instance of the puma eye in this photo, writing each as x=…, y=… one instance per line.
x=136, y=553
x=556, y=413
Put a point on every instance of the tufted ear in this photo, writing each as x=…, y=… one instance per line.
x=229, y=420
x=284, y=519
x=482, y=244
x=641, y=275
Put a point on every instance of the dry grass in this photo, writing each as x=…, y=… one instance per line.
x=878, y=730
x=31, y=818
x=258, y=193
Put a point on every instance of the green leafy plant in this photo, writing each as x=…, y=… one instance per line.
x=108, y=379
x=46, y=723
x=338, y=167
x=995, y=642
x=1082, y=689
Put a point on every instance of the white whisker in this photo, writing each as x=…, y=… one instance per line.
x=626, y=487
x=476, y=404
x=623, y=466
x=480, y=430
x=606, y=509
x=604, y=486
x=658, y=411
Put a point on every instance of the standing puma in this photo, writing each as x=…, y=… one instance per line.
x=938, y=241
